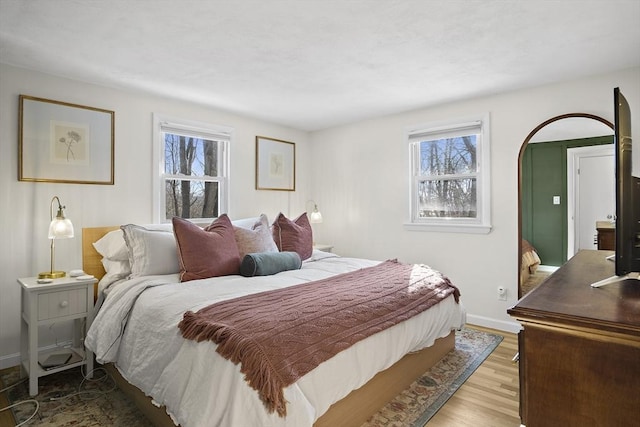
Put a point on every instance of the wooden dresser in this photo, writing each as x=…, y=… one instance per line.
x=606, y=235
x=580, y=347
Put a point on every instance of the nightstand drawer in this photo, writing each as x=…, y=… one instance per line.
x=63, y=303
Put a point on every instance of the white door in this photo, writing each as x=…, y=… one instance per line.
x=593, y=191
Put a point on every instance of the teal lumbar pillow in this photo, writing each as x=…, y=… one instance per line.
x=268, y=263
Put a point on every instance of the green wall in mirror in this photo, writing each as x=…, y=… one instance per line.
x=544, y=176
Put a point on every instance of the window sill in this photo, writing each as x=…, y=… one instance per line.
x=449, y=228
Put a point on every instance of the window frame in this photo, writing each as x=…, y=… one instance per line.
x=223, y=134
x=443, y=129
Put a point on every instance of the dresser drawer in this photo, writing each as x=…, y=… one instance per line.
x=62, y=303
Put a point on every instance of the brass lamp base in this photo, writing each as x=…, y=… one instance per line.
x=51, y=275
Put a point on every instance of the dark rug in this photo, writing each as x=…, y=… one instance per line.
x=65, y=399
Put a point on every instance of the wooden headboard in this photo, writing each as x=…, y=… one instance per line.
x=91, y=259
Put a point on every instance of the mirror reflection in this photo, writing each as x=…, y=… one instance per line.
x=566, y=193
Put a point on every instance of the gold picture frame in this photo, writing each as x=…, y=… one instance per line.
x=66, y=143
x=275, y=164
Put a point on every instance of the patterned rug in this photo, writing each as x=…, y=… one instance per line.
x=418, y=403
x=66, y=400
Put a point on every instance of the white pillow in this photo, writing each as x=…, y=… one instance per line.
x=247, y=222
x=112, y=246
x=256, y=239
x=151, y=251
x=115, y=270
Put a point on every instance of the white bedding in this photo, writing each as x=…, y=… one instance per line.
x=137, y=329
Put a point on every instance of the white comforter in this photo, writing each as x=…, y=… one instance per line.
x=136, y=328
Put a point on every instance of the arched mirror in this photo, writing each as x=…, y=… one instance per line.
x=557, y=207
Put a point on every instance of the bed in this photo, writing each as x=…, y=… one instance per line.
x=530, y=261
x=175, y=380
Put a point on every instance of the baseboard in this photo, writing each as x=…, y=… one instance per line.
x=9, y=360
x=488, y=322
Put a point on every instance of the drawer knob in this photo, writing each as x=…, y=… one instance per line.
x=63, y=304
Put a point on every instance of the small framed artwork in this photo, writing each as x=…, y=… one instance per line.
x=67, y=143
x=275, y=164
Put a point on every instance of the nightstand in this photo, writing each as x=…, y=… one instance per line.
x=64, y=299
x=324, y=248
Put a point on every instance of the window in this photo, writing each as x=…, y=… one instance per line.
x=450, y=176
x=191, y=161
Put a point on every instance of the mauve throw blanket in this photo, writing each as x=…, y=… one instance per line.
x=278, y=336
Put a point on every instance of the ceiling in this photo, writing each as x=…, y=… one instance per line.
x=314, y=64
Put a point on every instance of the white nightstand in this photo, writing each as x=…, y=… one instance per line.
x=64, y=299
x=324, y=248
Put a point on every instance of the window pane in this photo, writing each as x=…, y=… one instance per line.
x=191, y=199
x=190, y=156
x=455, y=198
x=449, y=156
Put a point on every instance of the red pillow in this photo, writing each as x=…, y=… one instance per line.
x=206, y=253
x=293, y=236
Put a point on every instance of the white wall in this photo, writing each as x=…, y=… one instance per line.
x=24, y=206
x=360, y=182
x=357, y=174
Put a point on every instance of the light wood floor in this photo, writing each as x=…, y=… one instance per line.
x=489, y=398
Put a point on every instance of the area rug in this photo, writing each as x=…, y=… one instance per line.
x=66, y=400
x=426, y=395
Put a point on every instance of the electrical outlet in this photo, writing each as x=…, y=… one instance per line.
x=502, y=293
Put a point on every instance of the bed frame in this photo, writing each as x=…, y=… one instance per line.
x=353, y=410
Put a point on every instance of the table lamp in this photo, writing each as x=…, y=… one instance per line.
x=316, y=216
x=59, y=228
